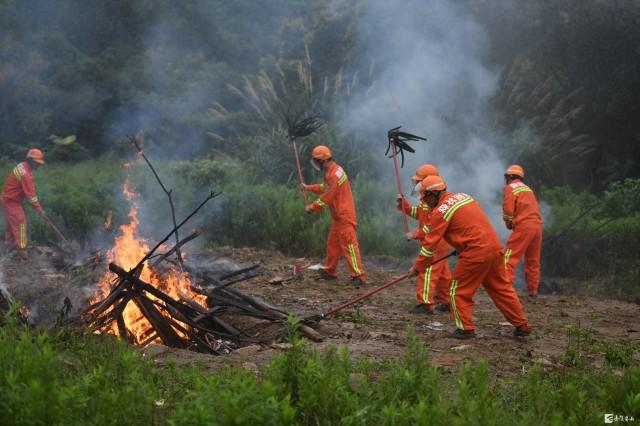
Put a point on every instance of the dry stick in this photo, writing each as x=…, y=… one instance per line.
x=182, y=242
x=239, y=271
x=166, y=191
x=175, y=228
x=158, y=321
x=306, y=330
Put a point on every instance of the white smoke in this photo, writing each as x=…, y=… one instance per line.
x=428, y=76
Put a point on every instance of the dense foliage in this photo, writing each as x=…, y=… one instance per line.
x=63, y=377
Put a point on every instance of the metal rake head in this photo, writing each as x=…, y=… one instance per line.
x=399, y=139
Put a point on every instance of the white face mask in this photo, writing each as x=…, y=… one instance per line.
x=416, y=189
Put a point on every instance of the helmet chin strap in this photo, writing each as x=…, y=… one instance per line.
x=315, y=165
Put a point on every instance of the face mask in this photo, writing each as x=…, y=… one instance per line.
x=315, y=164
x=416, y=189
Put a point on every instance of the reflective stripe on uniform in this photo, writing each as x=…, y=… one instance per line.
x=507, y=218
x=414, y=212
x=507, y=254
x=452, y=210
x=452, y=296
x=342, y=179
x=23, y=237
x=425, y=252
x=427, y=284
x=33, y=200
x=322, y=187
x=16, y=172
x=354, y=260
x=521, y=189
x=320, y=203
x=425, y=229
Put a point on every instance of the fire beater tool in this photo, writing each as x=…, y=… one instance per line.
x=299, y=127
x=318, y=317
x=398, y=143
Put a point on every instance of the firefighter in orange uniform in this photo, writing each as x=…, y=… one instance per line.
x=433, y=281
x=521, y=214
x=458, y=218
x=20, y=185
x=335, y=194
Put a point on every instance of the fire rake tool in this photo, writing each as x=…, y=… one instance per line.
x=57, y=231
x=398, y=143
x=299, y=127
x=318, y=317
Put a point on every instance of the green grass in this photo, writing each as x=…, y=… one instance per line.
x=67, y=377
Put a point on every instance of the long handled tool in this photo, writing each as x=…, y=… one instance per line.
x=332, y=311
x=295, y=152
x=398, y=144
x=57, y=231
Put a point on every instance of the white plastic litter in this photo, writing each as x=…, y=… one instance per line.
x=316, y=267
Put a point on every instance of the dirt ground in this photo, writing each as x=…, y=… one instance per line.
x=376, y=328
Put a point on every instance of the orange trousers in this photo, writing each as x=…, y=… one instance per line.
x=15, y=220
x=525, y=242
x=469, y=273
x=434, y=283
x=343, y=240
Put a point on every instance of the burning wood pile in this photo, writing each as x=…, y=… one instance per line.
x=147, y=297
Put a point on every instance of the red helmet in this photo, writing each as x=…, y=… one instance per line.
x=433, y=183
x=424, y=171
x=36, y=155
x=321, y=152
x=515, y=169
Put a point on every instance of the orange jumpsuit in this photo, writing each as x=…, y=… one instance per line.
x=461, y=222
x=336, y=195
x=522, y=215
x=433, y=281
x=19, y=185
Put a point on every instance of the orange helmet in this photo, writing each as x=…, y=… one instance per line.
x=433, y=183
x=424, y=171
x=515, y=169
x=321, y=152
x=36, y=155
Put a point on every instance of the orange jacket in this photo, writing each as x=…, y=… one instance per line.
x=460, y=221
x=421, y=214
x=20, y=185
x=336, y=195
x=519, y=206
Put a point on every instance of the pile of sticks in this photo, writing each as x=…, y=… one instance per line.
x=184, y=323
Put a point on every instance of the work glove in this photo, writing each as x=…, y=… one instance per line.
x=399, y=199
x=409, y=236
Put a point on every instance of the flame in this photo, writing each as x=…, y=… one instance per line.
x=127, y=251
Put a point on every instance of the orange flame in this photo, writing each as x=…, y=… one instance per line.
x=127, y=251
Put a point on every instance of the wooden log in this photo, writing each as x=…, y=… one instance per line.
x=166, y=333
x=239, y=271
x=182, y=242
x=304, y=329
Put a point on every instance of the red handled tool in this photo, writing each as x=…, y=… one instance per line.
x=332, y=311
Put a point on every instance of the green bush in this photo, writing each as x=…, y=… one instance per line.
x=593, y=236
x=68, y=377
